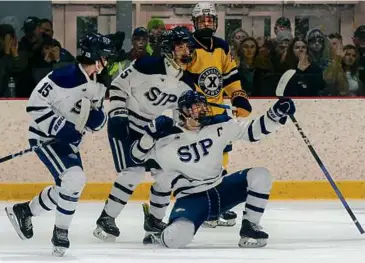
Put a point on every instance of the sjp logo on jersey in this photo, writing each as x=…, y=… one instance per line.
x=210, y=81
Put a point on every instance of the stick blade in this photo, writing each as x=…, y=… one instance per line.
x=283, y=82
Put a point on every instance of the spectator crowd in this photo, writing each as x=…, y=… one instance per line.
x=324, y=66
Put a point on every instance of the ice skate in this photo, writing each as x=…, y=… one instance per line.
x=106, y=229
x=60, y=242
x=252, y=236
x=151, y=225
x=20, y=217
x=227, y=219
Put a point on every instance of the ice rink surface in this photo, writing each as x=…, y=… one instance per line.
x=300, y=232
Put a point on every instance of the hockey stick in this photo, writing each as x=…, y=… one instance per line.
x=31, y=149
x=280, y=93
x=223, y=106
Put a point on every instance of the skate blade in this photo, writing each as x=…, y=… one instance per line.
x=103, y=236
x=210, y=224
x=10, y=213
x=147, y=240
x=226, y=223
x=151, y=238
x=58, y=251
x=246, y=242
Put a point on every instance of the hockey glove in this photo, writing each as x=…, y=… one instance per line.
x=281, y=109
x=159, y=127
x=67, y=133
x=118, y=124
x=96, y=120
x=239, y=100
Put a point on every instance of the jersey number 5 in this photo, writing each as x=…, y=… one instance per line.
x=125, y=73
x=45, y=89
x=77, y=107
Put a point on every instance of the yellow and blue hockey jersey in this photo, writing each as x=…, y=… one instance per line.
x=214, y=71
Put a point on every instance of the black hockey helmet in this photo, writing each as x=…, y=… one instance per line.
x=94, y=46
x=171, y=38
x=194, y=105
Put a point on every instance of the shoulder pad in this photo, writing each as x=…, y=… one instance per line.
x=194, y=43
x=150, y=65
x=174, y=130
x=68, y=77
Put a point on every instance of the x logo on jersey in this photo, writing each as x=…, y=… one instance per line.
x=212, y=83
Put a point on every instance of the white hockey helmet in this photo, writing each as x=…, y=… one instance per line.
x=203, y=12
x=204, y=9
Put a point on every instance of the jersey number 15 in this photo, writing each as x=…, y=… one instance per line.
x=45, y=89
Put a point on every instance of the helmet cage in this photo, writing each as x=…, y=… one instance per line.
x=173, y=39
x=193, y=105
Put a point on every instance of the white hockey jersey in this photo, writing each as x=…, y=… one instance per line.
x=58, y=96
x=194, y=158
x=147, y=88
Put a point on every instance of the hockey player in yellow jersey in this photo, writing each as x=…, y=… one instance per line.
x=214, y=71
x=213, y=68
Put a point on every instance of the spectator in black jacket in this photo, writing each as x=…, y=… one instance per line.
x=46, y=29
x=30, y=45
x=247, y=53
x=270, y=67
x=265, y=77
x=11, y=63
x=48, y=59
x=308, y=79
x=32, y=39
x=359, y=42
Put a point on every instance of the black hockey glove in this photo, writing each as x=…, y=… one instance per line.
x=118, y=124
x=281, y=109
x=159, y=127
x=96, y=120
x=68, y=133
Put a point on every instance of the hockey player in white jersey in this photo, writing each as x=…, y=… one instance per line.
x=190, y=152
x=142, y=92
x=62, y=106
